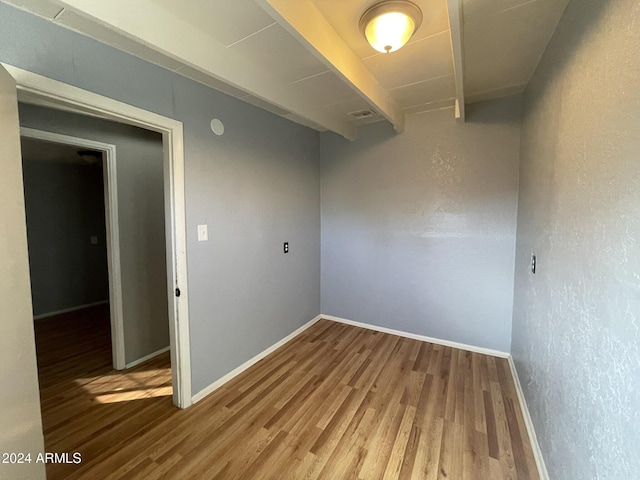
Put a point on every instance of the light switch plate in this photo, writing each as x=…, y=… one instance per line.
x=203, y=234
x=94, y=240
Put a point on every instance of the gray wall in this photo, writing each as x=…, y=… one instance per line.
x=418, y=229
x=256, y=187
x=140, y=184
x=65, y=207
x=576, y=327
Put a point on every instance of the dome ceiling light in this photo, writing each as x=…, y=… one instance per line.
x=388, y=25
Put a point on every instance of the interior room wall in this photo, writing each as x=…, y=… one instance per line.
x=576, y=327
x=418, y=229
x=64, y=203
x=140, y=183
x=256, y=187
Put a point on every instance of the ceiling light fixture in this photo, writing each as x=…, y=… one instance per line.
x=90, y=157
x=390, y=24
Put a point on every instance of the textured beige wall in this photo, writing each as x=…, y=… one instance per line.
x=20, y=421
x=576, y=329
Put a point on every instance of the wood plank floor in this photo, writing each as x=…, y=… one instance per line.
x=337, y=402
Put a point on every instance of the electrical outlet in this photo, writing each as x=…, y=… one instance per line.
x=94, y=239
x=286, y=247
x=534, y=261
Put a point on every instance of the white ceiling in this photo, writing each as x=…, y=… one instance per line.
x=504, y=40
x=307, y=60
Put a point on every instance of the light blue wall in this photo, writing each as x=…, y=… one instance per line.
x=576, y=327
x=256, y=187
x=418, y=229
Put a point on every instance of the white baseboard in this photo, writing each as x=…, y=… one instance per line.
x=147, y=357
x=533, y=439
x=70, y=309
x=237, y=371
x=422, y=338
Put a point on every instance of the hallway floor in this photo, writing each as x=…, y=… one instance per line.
x=87, y=406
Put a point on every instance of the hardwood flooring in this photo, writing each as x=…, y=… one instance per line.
x=337, y=402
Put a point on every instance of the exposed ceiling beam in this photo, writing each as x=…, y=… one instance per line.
x=158, y=29
x=455, y=27
x=304, y=21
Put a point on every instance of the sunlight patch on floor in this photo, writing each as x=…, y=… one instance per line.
x=125, y=386
x=127, y=395
x=140, y=375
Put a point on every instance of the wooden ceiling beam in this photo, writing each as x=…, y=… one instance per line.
x=149, y=24
x=306, y=23
x=454, y=8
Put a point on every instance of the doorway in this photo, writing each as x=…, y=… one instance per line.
x=43, y=91
x=91, y=164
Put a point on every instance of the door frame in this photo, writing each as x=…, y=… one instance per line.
x=53, y=93
x=109, y=171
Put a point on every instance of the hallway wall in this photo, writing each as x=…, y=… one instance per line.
x=64, y=203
